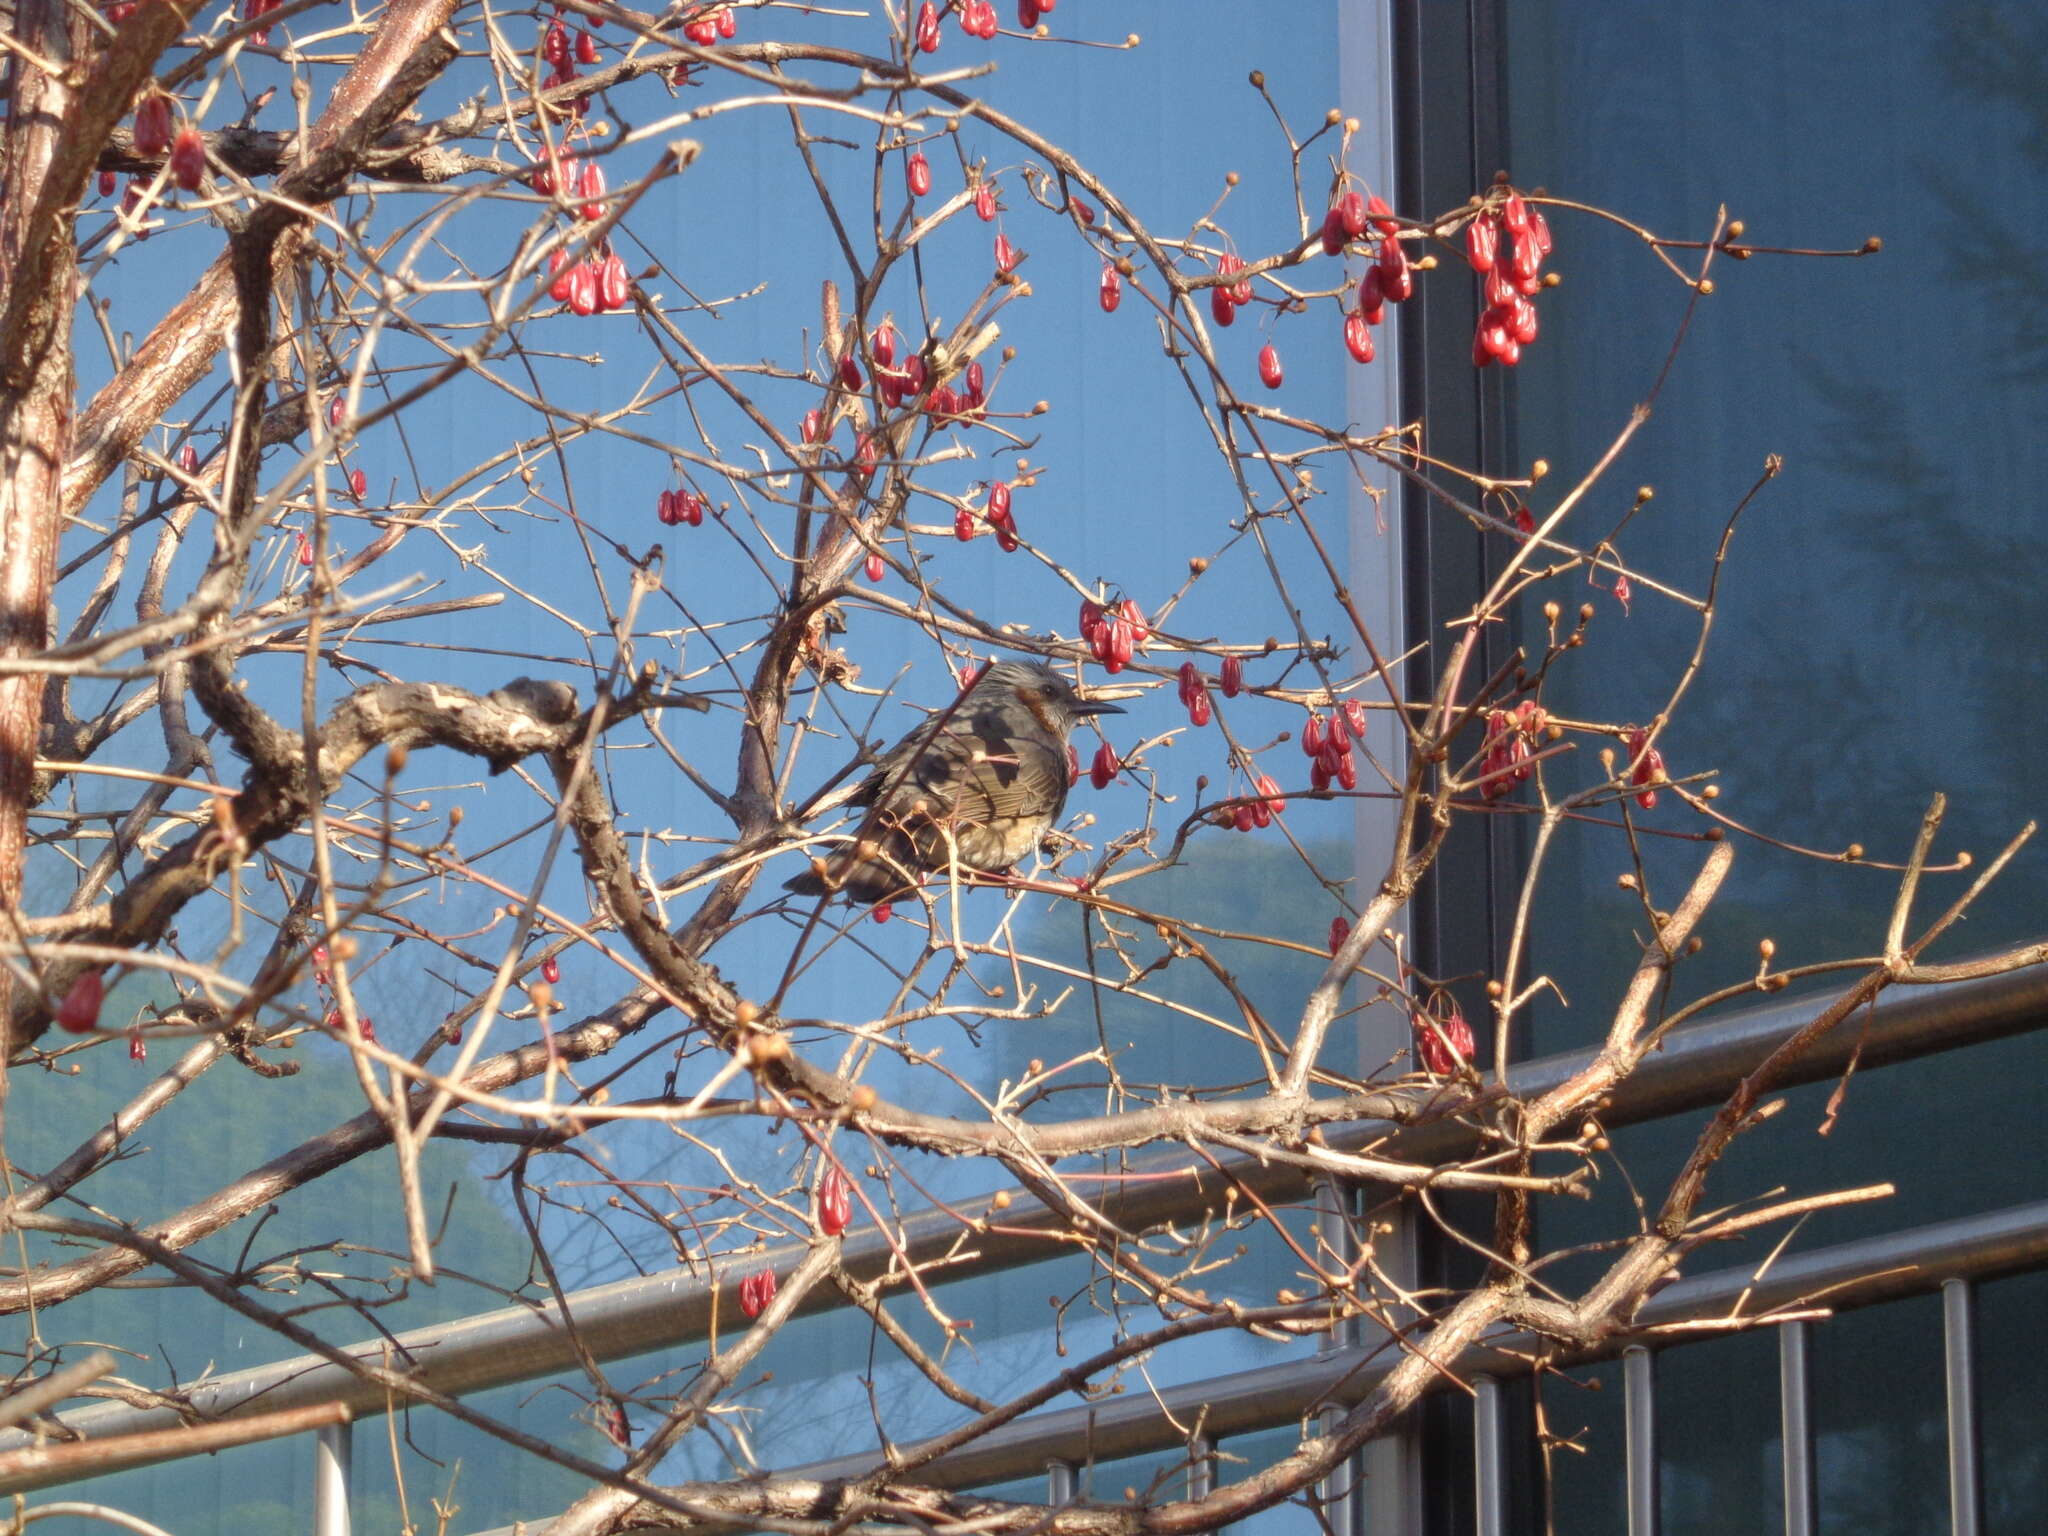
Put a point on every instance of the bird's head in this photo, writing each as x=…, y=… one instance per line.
x=1050, y=697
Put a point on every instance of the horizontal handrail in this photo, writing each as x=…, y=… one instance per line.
x=1695, y=1066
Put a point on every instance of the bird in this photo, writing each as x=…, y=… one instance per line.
x=982, y=783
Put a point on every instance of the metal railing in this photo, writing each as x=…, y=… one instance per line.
x=1694, y=1067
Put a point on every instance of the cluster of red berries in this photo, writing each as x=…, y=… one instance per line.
x=592, y=286
x=710, y=27
x=1648, y=771
x=673, y=507
x=835, y=1203
x=756, y=1291
x=1115, y=632
x=978, y=18
x=1510, y=747
x=1389, y=280
x=1194, y=694
x=1443, y=1040
x=153, y=136
x=1510, y=277
x=1247, y=814
x=581, y=179
x=1326, y=741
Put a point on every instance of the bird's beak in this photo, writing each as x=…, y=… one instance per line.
x=1097, y=707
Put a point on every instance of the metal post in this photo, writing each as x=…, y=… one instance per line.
x=332, y=1447
x=1201, y=1467
x=1333, y=1227
x=1639, y=1386
x=1059, y=1483
x=1795, y=1421
x=1337, y=1489
x=1958, y=1327
x=1488, y=1456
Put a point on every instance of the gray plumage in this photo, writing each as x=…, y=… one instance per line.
x=987, y=783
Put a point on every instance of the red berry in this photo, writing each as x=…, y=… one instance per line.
x=928, y=28
x=1105, y=767
x=586, y=48
x=80, y=1009
x=1199, y=708
x=875, y=567
x=614, y=287
x=866, y=455
x=1242, y=818
x=1623, y=592
x=1091, y=618
x=1313, y=735
x=1382, y=215
x=1514, y=214
x=1358, y=337
x=188, y=159
x=1241, y=290
x=728, y=22
x=558, y=290
x=304, y=550
x=882, y=911
x=985, y=201
x=835, y=1203
x=1233, y=676
x=358, y=483
x=975, y=395
x=554, y=44
x=963, y=525
x=1443, y=1044
x=665, y=509
x=138, y=1049
x=551, y=970
x=188, y=459
x=590, y=188
x=1397, y=281
x=153, y=126
x=1333, y=230
x=758, y=1289
x=814, y=426
x=1221, y=309
x=1525, y=262
x=919, y=174
x=107, y=183
x=913, y=374
x=1354, y=717
x=1539, y=231
x=1340, y=930
x=1134, y=620
x=1482, y=243
x=1276, y=801
x=1112, y=288
x=1027, y=14
x=691, y=506
x=1347, y=770
x=1005, y=527
x=583, y=288
x=1270, y=373
x=883, y=345
x=1372, y=296
x=702, y=31
x=1006, y=254
x=999, y=499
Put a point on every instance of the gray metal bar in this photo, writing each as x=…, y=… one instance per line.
x=1059, y=1481
x=333, y=1448
x=1489, y=1496
x=1201, y=1467
x=1338, y=1489
x=1639, y=1388
x=1958, y=1330
x=1333, y=1226
x=1795, y=1419
x=646, y=1313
